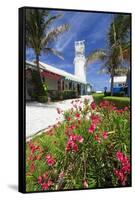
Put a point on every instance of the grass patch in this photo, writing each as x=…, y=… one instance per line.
x=118, y=101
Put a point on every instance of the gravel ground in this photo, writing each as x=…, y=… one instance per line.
x=39, y=116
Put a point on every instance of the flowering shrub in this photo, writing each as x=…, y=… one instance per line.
x=89, y=149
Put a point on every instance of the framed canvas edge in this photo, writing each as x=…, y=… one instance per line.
x=21, y=92
x=22, y=103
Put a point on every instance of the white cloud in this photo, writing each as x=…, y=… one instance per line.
x=76, y=22
x=62, y=43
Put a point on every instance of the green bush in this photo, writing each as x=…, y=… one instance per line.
x=69, y=94
x=53, y=94
x=118, y=101
x=89, y=149
x=61, y=95
x=98, y=97
x=42, y=99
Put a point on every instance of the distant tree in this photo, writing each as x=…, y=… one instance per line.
x=40, y=34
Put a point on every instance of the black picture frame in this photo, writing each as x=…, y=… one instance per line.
x=22, y=98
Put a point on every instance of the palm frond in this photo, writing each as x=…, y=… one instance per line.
x=52, y=35
x=38, y=36
x=54, y=51
x=126, y=51
x=50, y=20
x=96, y=55
x=121, y=71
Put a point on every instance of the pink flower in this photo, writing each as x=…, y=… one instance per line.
x=105, y=134
x=80, y=139
x=124, y=169
x=49, y=183
x=61, y=175
x=33, y=147
x=120, y=111
x=92, y=128
x=114, y=108
x=71, y=145
x=126, y=108
x=73, y=137
x=73, y=127
x=39, y=179
x=93, y=105
x=68, y=119
x=119, y=174
x=95, y=119
x=97, y=138
x=45, y=186
x=45, y=175
x=85, y=184
x=32, y=167
x=119, y=156
x=76, y=138
x=77, y=115
x=50, y=160
x=75, y=147
x=104, y=104
x=30, y=157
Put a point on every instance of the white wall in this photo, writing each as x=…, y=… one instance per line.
x=79, y=64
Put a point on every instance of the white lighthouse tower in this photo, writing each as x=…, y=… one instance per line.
x=80, y=60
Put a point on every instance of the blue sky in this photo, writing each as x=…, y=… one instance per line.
x=88, y=26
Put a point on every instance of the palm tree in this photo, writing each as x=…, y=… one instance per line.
x=122, y=27
x=40, y=35
x=118, y=48
x=110, y=61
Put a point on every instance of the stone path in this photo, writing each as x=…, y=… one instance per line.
x=39, y=116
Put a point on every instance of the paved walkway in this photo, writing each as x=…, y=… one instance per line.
x=39, y=116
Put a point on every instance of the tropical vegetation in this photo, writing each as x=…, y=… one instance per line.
x=89, y=149
x=40, y=35
x=116, y=57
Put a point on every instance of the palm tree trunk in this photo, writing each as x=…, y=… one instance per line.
x=112, y=80
x=39, y=74
x=37, y=62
